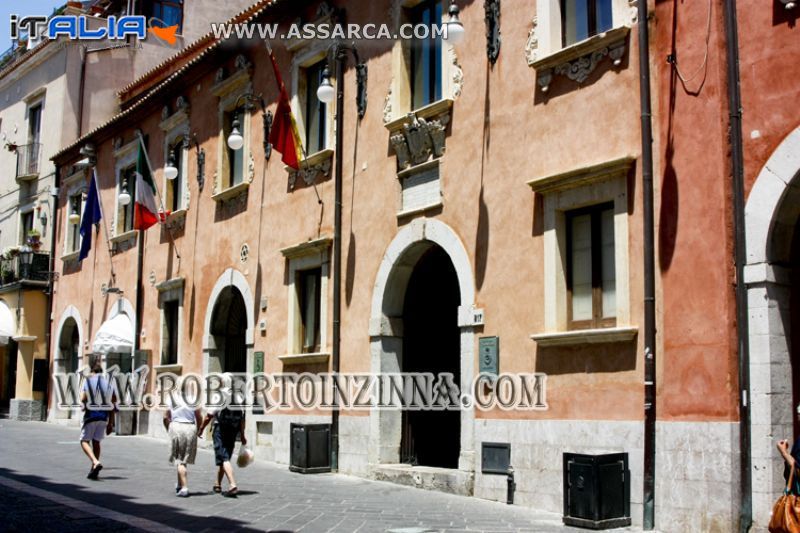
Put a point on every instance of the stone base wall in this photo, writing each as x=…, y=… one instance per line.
x=26, y=410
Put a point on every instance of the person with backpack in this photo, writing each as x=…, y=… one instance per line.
x=229, y=423
x=97, y=399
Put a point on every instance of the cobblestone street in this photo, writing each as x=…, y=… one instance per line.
x=44, y=488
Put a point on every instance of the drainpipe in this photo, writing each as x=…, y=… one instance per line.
x=740, y=257
x=649, y=271
x=51, y=280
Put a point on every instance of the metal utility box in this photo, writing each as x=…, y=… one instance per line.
x=310, y=451
x=597, y=490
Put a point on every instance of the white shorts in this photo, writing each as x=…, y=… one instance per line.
x=95, y=430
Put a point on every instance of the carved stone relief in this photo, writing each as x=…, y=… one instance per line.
x=419, y=140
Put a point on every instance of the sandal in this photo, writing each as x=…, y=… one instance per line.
x=217, y=489
x=232, y=492
x=95, y=471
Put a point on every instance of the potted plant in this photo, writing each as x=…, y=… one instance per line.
x=6, y=272
x=34, y=239
x=10, y=252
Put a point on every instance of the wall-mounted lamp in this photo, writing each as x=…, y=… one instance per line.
x=326, y=91
x=492, y=16
x=789, y=4
x=235, y=139
x=171, y=171
x=455, y=30
x=124, y=196
x=74, y=217
x=201, y=162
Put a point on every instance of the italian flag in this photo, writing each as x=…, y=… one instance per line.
x=145, y=210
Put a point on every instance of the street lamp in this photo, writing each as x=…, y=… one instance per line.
x=171, y=171
x=235, y=139
x=124, y=196
x=25, y=259
x=325, y=94
x=455, y=30
x=74, y=217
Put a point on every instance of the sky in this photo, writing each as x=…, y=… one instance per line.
x=22, y=8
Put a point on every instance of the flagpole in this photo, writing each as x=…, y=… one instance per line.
x=160, y=201
x=105, y=226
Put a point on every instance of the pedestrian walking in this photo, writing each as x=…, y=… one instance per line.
x=229, y=423
x=181, y=422
x=785, y=513
x=97, y=400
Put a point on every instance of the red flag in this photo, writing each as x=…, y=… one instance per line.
x=284, y=136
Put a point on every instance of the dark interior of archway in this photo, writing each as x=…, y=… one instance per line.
x=229, y=322
x=69, y=344
x=794, y=317
x=431, y=343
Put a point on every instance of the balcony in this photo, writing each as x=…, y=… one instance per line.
x=13, y=270
x=28, y=161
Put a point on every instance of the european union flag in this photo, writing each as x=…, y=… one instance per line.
x=92, y=214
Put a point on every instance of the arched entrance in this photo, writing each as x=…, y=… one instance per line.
x=772, y=275
x=424, y=292
x=229, y=321
x=68, y=358
x=229, y=328
x=431, y=344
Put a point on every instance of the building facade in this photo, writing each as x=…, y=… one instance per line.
x=491, y=194
x=51, y=92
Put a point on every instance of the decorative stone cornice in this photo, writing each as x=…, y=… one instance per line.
x=311, y=247
x=170, y=284
x=578, y=61
x=582, y=176
x=312, y=168
x=420, y=135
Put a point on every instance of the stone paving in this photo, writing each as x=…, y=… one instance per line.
x=44, y=487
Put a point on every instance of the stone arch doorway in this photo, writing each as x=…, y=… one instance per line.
x=772, y=276
x=431, y=344
x=423, y=253
x=229, y=325
x=229, y=328
x=68, y=354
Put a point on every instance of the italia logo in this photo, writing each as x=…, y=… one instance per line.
x=91, y=29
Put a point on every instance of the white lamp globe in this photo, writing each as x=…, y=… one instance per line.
x=235, y=139
x=455, y=30
x=325, y=92
x=74, y=218
x=170, y=171
x=124, y=198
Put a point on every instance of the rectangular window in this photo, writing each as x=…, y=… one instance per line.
x=169, y=343
x=310, y=298
x=175, y=186
x=74, y=228
x=315, y=111
x=34, y=123
x=581, y=19
x=591, y=272
x=233, y=162
x=27, y=226
x=125, y=219
x=426, y=56
x=165, y=12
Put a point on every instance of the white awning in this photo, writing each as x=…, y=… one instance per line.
x=115, y=335
x=6, y=324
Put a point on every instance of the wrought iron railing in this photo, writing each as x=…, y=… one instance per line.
x=28, y=159
x=13, y=269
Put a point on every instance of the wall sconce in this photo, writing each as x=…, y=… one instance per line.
x=201, y=162
x=455, y=30
x=326, y=92
x=492, y=16
x=171, y=171
x=124, y=196
x=75, y=217
x=235, y=139
x=789, y=4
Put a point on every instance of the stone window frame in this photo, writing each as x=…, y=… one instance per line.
x=306, y=256
x=74, y=185
x=310, y=55
x=564, y=192
x=26, y=209
x=397, y=104
x=228, y=90
x=170, y=291
x=175, y=126
x=124, y=157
